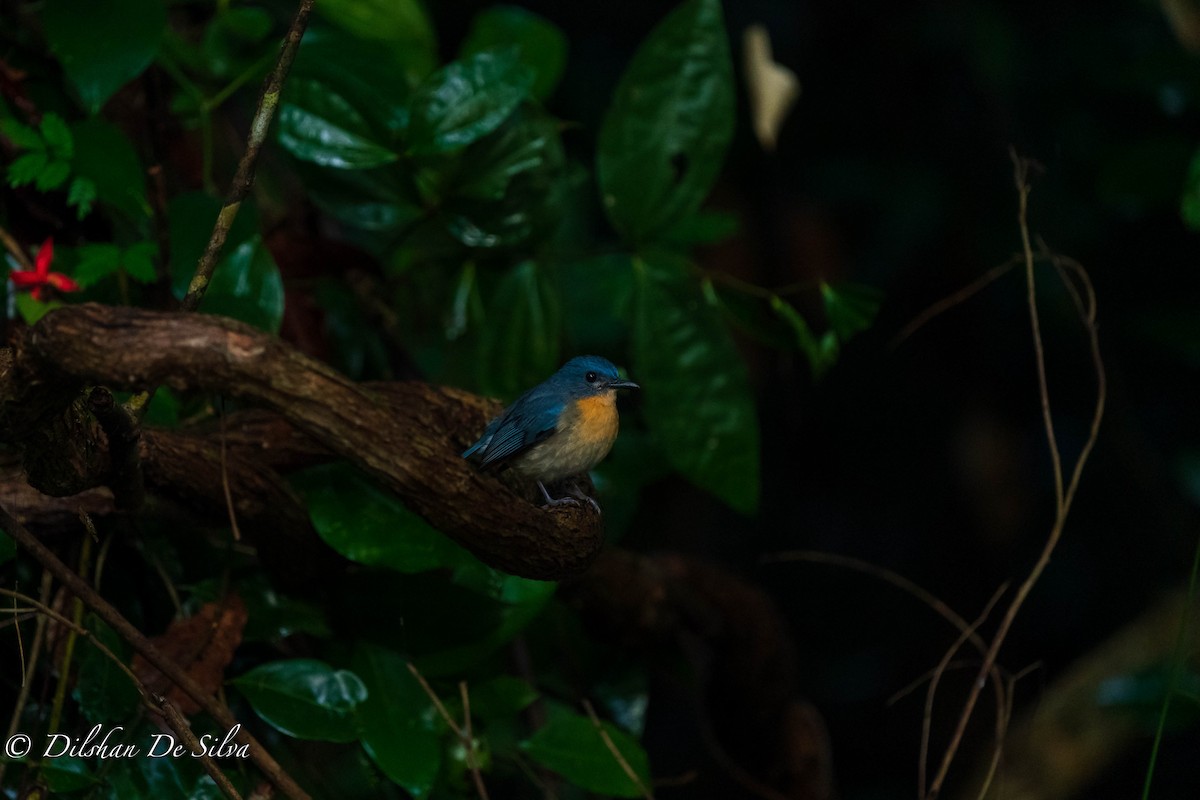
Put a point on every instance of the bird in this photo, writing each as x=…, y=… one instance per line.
x=564, y=426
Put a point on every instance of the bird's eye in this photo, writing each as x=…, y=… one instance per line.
x=590, y=377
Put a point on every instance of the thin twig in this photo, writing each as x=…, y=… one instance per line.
x=469, y=736
x=39, y=634
x=243, y=178
x=928, y=599
x=612, y=748
x=938, y=672
x=160, y=705
x=64, y=668
x=1063, y=496
x=149, y=651
x=18, y=252
x=463, y=732
x=950, y=301
x=174, y=718
x=233, y=523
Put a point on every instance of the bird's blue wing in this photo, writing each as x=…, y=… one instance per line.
x=529, y=420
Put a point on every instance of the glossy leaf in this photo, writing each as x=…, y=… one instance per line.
x=67, y=774
x=540, y=44
x=247, y=286
x=104, y=692
x=402, y=24
x=466, y=100
x=571, y=745
x=597, y=297
x=105, y=157
x=401, y=730
x=370, y=526
x=697, y=395
x=501, y=696
x=317, y=124
x=664, y=137
x=524, y=324
x=305, y=698
x=506, y=190
x=84, y=37
x=190, y=218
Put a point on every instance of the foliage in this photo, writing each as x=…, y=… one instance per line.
x=480, y=205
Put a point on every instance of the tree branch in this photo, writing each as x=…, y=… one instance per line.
x=92, y=599
x=408, y=439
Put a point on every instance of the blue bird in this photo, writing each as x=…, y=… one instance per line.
x=563, y=426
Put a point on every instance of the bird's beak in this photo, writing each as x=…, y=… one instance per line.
x=623, y=385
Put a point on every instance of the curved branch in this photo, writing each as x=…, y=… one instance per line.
x=408, y=438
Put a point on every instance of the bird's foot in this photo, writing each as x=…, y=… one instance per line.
x=569, y=499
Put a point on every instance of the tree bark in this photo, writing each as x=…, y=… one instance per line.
x=408, y=437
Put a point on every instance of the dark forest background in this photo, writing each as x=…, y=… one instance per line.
x=713, y=656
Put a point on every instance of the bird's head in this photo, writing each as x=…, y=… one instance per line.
x=585, y=376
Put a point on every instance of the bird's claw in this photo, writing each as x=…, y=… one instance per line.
x=570, y=499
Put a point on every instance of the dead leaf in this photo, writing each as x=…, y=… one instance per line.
x=202, y=645
x=773, y=88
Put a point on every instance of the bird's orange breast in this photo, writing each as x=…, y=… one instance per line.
x=585, y=433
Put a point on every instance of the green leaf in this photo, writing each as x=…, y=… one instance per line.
x=401, y=730
x=1189, y=206
x=850, y=307
x=597, y=297
x=235, y=40
x=274, y=615
x=402, y=24
x=67, y=774
x=104, y=692
x=8, y=548
x=664, y=138
x=370, y=526
x=81, y=195
x=54, y=175
x=58, y=136
x=247, y=286
x=540, y=44
x=105, y=157
x=138, y=262
x=571, y=745
x=305, y=698
x=27, y=168
x=32, y=310
x=370, y=200
x=466, y=100
x=501, y=696
x=85, y=37
x=524, y=323
x=507, y=188
x=698, y=401
x=22, y=136
x=822, y=352
x=190, y=219
x=96, y=262
x=319, y=125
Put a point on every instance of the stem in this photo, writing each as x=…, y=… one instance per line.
x=149, y=651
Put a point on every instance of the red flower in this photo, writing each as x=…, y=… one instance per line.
x=40, y=276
